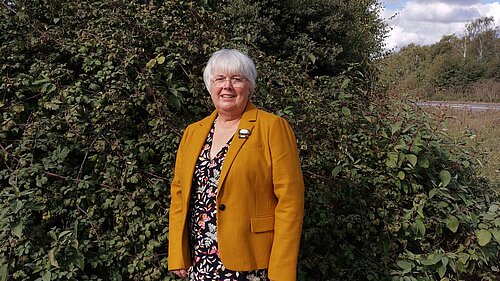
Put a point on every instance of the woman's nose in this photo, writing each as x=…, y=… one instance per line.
x=227, y=84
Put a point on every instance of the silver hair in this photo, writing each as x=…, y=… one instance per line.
x=230, y=61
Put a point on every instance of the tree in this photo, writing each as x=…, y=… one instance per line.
x=323, y=36
x=481, y=32
x=450, y=68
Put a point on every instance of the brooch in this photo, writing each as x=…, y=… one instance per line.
x=243, y=133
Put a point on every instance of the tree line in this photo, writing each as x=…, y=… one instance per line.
x=465, y=66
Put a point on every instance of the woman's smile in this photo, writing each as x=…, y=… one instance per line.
x=228, y=96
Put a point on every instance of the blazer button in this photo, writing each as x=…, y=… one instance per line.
x=222, y=207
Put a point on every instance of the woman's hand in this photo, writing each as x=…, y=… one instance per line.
x=180, y=272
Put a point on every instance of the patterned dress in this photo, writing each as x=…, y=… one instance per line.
x=202, y=221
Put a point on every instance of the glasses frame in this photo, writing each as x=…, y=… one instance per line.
x=236, y=81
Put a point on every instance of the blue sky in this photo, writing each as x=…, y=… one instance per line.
x=424, y=22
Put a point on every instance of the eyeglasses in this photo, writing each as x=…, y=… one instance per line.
x=237, y=82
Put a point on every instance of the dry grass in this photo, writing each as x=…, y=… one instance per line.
x=485, y=90
x=480, y=133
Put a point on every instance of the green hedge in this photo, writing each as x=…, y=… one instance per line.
x=94, y=98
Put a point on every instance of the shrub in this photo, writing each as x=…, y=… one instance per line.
x=389, y=196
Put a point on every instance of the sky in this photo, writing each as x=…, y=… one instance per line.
x=425, y=22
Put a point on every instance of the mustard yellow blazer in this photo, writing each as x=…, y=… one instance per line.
x=260, y=197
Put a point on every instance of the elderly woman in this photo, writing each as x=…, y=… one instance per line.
x=237, y=192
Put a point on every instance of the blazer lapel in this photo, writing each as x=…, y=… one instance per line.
x=247, y=122
x=199, y=136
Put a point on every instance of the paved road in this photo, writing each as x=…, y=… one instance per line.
x=472, y=106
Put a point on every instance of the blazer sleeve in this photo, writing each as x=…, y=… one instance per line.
x=178, y=256
x=288, y=187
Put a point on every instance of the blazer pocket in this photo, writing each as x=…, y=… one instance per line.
x=262, y=224
x=252, y=146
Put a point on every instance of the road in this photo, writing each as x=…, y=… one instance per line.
x=472, y=106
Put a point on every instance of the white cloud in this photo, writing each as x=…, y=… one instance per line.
x=457, y=2
x=426, y=21
x=438, y=12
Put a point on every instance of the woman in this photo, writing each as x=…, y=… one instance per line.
x=237, y=193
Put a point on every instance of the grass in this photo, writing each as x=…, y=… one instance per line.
x=485, y=90
x=480, y=134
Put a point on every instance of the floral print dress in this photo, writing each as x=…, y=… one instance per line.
x=203, y=222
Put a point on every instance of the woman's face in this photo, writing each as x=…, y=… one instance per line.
x=229, y=93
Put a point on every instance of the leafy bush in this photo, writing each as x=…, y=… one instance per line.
x=324, y=36
x=94, y=99
x=89, y=133
x=389, y=197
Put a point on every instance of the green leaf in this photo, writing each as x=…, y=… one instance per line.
x=17, y=229
x=496, y=234
x=79, y=260
x=3, y=212
x=412, y=158
x=134, y=178
x=401, y=175
x=441, y=270
x=40, y=181
x=445, y=177
x=437, y=257
x=445, y=261
x=345, y=83
x=74, y=243
x=64, y=233
x=392, y=160
x=3, y=272
x=48, y=88
x=406, y=266
x=160, y=59
x=175, y=101
x=47, y=276
x=151, y=63
x=493, y=208
x=37, y=207
x=423, y=162
x=391, y=163
x=16, y=206
x=420, y=226
x=452, y=223
x=40, y=81
x=53, y=235
x=18, y=108
x=52, y=258
x=346, y=111
x=312, y=58
x=288, y=110
x=397, y=182
x=336, y=170
x=433, y=192
x=483, y=237
x=94, y=87
x=396, y=127
x=428, y=262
